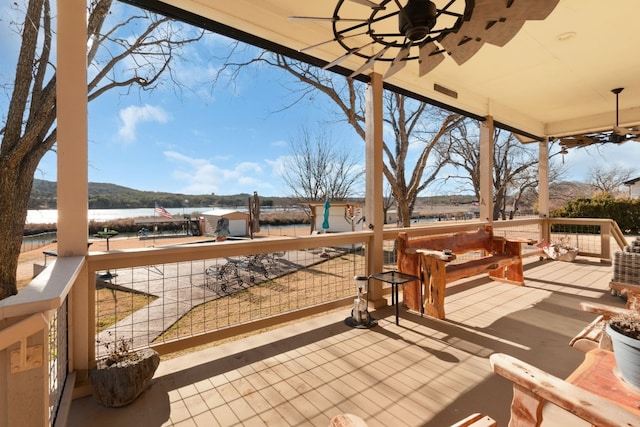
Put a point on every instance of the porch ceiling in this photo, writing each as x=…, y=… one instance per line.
x=553, y=78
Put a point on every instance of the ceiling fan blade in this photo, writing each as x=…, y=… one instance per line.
x=368, y=3
x=398, y=62
x=370, y=62
x=430, y=57
x=317, y=45
x=339, y=60
x=345, y=56
x=339, y=37
x=577, y=141
x=320, y=18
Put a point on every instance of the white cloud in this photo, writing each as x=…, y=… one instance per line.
x=201, y=176
x=133, y=115
x=280, y=165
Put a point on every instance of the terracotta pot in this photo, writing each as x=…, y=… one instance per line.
x=627, y=354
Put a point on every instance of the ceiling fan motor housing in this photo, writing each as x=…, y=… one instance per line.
x=418, y=19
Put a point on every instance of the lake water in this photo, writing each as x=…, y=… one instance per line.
x=49, y=216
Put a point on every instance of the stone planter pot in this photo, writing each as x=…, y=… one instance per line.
x=121, y=383
x=627, y=353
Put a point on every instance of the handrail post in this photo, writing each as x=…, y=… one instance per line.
x=605, y=240
x=545, y=230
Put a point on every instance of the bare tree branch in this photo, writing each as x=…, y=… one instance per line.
x=28, y=128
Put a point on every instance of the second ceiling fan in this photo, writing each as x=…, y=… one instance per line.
x=617, y=135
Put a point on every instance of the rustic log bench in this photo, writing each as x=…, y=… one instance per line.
x=533, y=388
x=428, y=258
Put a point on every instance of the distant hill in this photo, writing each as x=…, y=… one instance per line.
x=111, y=196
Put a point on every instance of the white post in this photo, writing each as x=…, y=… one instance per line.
x=543, y=189
x=71, y=104
x=486, y=169
x=374, y=213
x=543, y=181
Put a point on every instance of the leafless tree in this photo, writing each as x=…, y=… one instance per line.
x=134, y=52
x=412, y=123
x=387, y=201
x=609, y=179
x=514, y=165
x=319, y=169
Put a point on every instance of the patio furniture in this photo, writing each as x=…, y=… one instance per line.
x=593, y=335
x=598, y=374
x=395, y=278
x=476, y=420
x=429, y=257
x=533, y=388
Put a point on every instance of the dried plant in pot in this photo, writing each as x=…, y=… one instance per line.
x=123, y=374
x=624, y=330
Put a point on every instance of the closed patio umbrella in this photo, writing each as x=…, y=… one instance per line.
x=325, y=223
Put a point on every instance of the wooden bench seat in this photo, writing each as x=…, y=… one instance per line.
x=430, y=259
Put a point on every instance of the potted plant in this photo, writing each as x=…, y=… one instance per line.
x=123, y=374
x=624, y=330
x=561, y=251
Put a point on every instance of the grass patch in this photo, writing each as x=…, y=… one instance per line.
x=113, y=306
x=326, y=281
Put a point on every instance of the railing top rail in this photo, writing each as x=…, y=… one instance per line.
x=47, y=291
x=584, y=221
x=198, y=251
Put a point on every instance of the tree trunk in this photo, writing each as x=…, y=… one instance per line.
x=14, y=185
x=404, y=212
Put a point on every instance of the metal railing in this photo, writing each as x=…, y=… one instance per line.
x=58, y=358
x=201, y=292
x=35, y=241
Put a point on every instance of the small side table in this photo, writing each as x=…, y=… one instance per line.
x=396, y=278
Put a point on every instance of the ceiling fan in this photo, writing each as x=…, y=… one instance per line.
x=618, y=134
x=391, y=30
x=395, y=32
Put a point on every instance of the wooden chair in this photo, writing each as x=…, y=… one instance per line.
x=533, y=387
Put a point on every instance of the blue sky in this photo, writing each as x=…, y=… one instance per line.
x=226, y=139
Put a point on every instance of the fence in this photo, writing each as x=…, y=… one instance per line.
x=156, y=304
x=36, y=241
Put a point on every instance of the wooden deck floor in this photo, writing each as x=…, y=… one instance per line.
x=423, y=372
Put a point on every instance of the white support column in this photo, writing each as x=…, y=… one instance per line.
x=486, y=169
x=71, y=104
x=543, y=189
x=543, y=180
x=374, y=193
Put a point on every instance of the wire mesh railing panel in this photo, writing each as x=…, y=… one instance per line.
x=161, y=303
x=526, y=231
x=58, y=359
x=390, y=259
x=586, y=237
